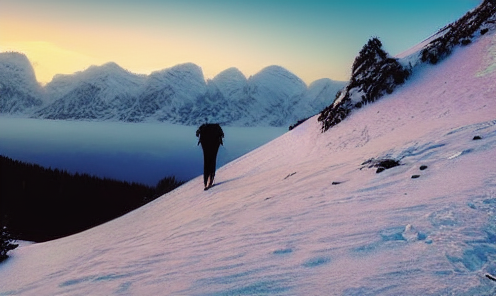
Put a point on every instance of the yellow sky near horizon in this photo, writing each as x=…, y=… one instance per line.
x=53, y=49
x=311, y=39
x=49, y=59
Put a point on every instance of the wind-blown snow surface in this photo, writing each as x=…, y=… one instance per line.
x=279, y=223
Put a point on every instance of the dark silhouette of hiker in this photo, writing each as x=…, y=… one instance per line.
x=210, y=136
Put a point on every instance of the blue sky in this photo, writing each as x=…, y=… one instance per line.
x=312, y=39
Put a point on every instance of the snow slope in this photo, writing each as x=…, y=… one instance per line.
x=302, y=215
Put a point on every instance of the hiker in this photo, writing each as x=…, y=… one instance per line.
x=210, y=136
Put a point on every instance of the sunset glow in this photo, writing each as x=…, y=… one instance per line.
x=312, y=39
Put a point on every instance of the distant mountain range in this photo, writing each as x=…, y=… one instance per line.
x=180, y=95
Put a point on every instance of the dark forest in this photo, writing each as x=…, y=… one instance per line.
x=40, y=204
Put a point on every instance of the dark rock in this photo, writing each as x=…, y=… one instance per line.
x=381, y=164
x=423, y=167
x=415, y=176
x=388, y=163
x=292, y=174
x=379, y=170
x=477, y=138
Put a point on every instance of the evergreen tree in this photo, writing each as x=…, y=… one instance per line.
x=374, y=74
x=6, y=243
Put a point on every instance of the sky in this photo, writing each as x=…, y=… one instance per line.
x=312, y=39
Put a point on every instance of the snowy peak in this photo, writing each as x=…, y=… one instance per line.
x=223, y=102
x=182, y=78
x=99, y=74
x=180, y=94
x=233, y=74
x=16, y=66
x=231, y=83
x=19, y=90
x=99, y=92
x=275, y=91
x=277, y=81
x=110, y=78
x=170, y=94
x=322, y=92
x=107, y=67
x=112, y=75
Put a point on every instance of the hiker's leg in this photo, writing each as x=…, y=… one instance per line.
x=206, y=171
x=213, y=165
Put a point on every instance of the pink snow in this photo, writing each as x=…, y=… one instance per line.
x=276, y=224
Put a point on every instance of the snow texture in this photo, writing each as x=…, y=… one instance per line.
x=179, y=95
x=301, y=215
x=19, y=91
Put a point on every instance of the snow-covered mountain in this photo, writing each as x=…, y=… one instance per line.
x=180, y=95
x=224, y=101
x=19, y=90
x=104, y=92
x=274, y=91
x=321, y=90
x=310, y=213
x=171, y=94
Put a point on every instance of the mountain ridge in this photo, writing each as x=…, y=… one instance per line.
x=15, y=70
x=180, y=94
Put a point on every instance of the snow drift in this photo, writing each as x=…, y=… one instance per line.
x=306, y=214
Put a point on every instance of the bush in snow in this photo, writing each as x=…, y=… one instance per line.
x=460, y=32
x=6, y=243
x=374, y=73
